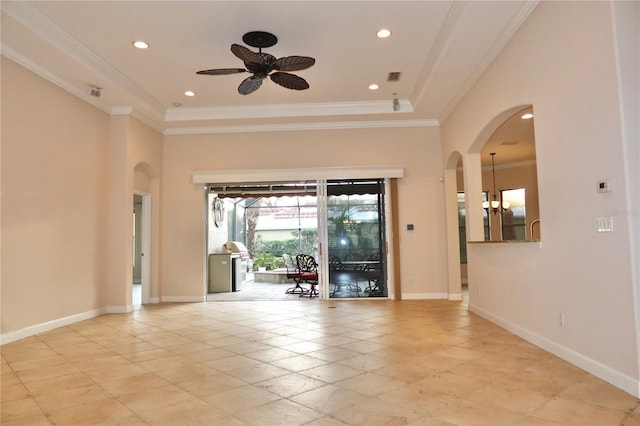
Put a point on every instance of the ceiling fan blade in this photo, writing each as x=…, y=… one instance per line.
x=249, y=85
x=245, y=54
x=289, y=81
x=293, y=63
x=222, y=71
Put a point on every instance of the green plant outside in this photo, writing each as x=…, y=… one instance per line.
x=268, y=260
x=269, y=253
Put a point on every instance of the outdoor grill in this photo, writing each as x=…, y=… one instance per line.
x=236, y=248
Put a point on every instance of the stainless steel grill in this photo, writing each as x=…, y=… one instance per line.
x=237, y=248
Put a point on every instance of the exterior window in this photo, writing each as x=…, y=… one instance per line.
x=514, y=222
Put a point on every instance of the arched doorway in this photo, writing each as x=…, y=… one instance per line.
x=510, y=136
x=145, y=192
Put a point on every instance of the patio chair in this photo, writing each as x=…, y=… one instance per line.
x=372, y=274
x=294, y=274
x=308, y=270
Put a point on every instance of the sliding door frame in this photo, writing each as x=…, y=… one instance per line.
x=320, y=175
x=323, y=239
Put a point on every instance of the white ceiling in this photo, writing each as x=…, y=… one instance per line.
x=440, y=47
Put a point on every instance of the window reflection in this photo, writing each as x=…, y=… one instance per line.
x=514, y=222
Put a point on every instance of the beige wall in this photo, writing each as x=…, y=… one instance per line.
x=54, y=178
x=420, y=193
x=562, y=62
x=67, y=195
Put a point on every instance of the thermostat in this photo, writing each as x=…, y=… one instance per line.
x=604, y=186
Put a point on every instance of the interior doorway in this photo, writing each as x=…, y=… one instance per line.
x=141, y=246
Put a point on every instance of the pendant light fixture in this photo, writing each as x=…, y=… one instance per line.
x=495, y=204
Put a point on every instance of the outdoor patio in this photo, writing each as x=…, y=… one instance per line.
x=254, y=291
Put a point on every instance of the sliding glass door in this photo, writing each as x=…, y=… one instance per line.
x=341, y=223
x=355, y=238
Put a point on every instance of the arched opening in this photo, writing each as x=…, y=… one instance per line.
x=469, y=188
x=145, y=193
x=510, y=203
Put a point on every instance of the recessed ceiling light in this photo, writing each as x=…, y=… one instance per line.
x=383, y=33
x=373, y=86
x=141, y=44
x=527, y=116
x=189, y=93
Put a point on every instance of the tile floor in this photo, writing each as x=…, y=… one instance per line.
x=302, y=362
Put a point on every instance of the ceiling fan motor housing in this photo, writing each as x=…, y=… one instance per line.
x=259, y=39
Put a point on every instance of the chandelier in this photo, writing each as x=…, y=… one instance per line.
x=495, y=204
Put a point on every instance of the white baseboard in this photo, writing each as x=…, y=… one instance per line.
x=32, y=330
x=627, y=383
x=455, y=296
x=119, y=309
x=183, y=299
x=424, y=296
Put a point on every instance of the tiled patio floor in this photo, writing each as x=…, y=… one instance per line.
x=258, y=291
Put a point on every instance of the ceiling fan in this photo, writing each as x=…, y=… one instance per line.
x=262, y=65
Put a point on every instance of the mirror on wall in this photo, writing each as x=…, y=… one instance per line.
x=509, y=178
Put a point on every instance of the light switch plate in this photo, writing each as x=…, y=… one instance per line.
x=604, y=224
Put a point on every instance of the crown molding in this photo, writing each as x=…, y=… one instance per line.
x=287, y=110
x=436, y=51
x=496, y=47
x=255, y=128
x=121, y=110
x=444, y=38
x=41, y=25
x=20, y=59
